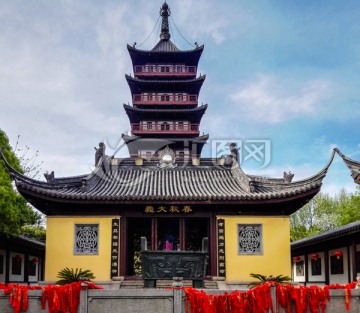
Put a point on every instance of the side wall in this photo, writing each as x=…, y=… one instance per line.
x=60, y=236
x=275, y=258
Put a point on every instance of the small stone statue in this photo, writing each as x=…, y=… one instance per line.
x=100, y=152
x=50, y=178
x=234, y=152
x=288, y=177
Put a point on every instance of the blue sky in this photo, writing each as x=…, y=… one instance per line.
x=282, y=71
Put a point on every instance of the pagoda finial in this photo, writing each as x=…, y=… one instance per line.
x=165, y=13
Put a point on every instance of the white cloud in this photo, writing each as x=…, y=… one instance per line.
x=271, y=100
x=203, y=18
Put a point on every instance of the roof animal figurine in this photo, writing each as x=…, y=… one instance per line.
x=288, y=177
x=50, y=178
x=100, y=152
x=234, y=152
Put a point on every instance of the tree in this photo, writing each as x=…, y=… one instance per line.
x=324, y=213
x=350, y=208
x=14, y=211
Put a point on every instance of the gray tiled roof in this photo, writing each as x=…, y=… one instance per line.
x=138, y=85
x=165, y=46
x=328, y=235
x=186, y=57
x=123, y=180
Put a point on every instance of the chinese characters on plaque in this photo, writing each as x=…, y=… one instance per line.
x=171, y=209
x=221, y=247
x=115, y=247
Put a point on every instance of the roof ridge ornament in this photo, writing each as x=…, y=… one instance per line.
x=167, y=158
x=288, y=177
x=165, y=13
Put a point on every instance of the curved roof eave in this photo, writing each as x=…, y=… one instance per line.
x=194, y=115
x=353, y=166
x=188, y=57
x=317, y=178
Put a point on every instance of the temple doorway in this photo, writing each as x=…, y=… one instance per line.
x=163, y=233
x=136, y=228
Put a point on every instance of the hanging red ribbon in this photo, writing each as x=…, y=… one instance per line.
x=60, y=299
x=298, y=299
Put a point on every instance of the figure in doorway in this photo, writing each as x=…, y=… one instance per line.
x=168, y=242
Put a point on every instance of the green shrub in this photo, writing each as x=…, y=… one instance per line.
x=262, y=278
x=68, y=276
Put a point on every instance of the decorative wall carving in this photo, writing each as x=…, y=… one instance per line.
x=250, y=238
x=86, y=239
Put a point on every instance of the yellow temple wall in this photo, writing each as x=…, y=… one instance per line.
x=275, y=259
x=60, y=236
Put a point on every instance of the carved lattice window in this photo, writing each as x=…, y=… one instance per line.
x=86, y=239
x=250, y=239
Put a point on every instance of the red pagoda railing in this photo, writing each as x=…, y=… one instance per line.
x=165, y=99
x=165, y=128
x=164, y=70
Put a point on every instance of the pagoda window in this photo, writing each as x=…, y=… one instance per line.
x=86, y=239
x=165, y=98
x=137, y=98
x=149, y=125
x=176, y=97
x=165, y=126
x=181, y=125
x=138, y=69
x=192, y=98
x=145, y=97
x=184, y=97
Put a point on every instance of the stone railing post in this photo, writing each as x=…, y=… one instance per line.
x=83, y=304
x=179, y=304
x=273, y=297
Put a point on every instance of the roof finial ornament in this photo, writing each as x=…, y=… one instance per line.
x=165, y=13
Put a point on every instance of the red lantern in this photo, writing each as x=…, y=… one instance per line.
x=297, y=258
x=18, y=257
x=315, y=256
x=34, y=260
x=338, y=254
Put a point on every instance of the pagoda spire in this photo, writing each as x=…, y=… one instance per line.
x=165, y=13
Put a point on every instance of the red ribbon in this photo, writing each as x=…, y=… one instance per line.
x=298, y=299
x=60, y=299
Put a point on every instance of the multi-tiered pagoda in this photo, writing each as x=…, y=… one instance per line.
x=95, y=220
x=165, y=92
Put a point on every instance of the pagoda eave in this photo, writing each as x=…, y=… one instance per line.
x=138, y=114
x=186, y=57
x=191, y=86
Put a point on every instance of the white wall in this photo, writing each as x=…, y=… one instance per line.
x=2, y=276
